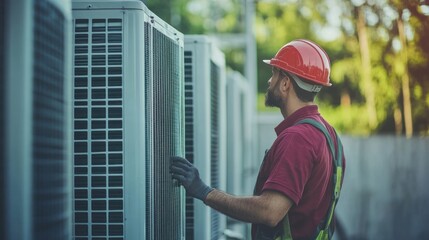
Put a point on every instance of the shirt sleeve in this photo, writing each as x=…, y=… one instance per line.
x=293, y=159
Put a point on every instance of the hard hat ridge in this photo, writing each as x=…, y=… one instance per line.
x=304, y=59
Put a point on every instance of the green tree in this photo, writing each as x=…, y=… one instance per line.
x=178, y=14
x=413, y=35
x=379, y=53
x=280, y=22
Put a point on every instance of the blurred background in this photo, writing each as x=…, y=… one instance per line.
x=379, y=51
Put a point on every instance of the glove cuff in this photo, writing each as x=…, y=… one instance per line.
x=200, y=190
x=206, y=192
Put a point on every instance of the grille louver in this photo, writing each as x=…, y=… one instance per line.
x=189, y=137
x=166, y=109
x=98, y=129
x=149, y=132
x=214, y=113
x=49, y=144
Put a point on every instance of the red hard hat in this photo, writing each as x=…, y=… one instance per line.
x=305, y=59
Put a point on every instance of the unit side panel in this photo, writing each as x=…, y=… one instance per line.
x=134, y=68
x=19, y=69
x=234, y=134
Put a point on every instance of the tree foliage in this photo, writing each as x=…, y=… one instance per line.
x=379, y=53
x=372, y=69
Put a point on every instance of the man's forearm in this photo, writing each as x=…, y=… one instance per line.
x=252, y=209
x=269, y=208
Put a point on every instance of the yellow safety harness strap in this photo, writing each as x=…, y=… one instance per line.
x=286, y=234
x=324, y=230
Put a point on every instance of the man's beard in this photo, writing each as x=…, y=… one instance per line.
x=272, y=99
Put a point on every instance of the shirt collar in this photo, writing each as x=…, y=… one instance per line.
x=299, y=114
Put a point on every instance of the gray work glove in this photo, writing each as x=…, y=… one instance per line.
x=182, y=170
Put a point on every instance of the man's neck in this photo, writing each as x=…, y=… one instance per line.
x=292, y=106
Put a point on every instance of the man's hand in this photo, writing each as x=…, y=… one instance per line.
x=182, y=170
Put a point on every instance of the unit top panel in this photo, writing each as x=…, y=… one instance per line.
x=108, y=4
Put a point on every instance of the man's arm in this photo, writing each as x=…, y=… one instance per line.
x=268, y=209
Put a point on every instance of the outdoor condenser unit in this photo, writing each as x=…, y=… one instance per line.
x=238, y=140
x=35, y=125
x=128, y=121
x=205, y=129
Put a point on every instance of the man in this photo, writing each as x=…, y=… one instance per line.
x=294, y=192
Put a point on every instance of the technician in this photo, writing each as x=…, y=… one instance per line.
x=300, y=178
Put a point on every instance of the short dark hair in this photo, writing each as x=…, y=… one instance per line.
x=302, y=94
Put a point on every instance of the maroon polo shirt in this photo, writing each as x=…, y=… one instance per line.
x=299, y=165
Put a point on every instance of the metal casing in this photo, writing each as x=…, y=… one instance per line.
x=205, y=129
x=36, y=113
x=128, y=121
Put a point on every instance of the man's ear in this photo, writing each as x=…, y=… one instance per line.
x=285, y=85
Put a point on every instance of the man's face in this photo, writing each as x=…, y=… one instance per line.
x=273, y=97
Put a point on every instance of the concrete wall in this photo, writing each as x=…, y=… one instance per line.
x=385, y=192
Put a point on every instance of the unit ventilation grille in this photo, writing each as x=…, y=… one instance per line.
x=49, y=144
x=149, y=132
x=214, y=163
x=189, y=137
x=98, y=129
x=166, y=134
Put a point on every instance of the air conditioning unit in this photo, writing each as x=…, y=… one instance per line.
x=238, y=140
x=128, y=121
x=205, y=130
x=35, y=118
